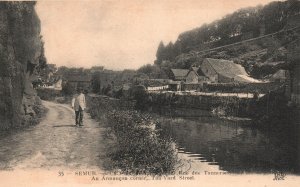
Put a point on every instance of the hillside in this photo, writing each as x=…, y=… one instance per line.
x=256, y=37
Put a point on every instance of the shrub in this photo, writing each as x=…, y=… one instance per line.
x=48, y=94
x=139, y=148
x=68, y=89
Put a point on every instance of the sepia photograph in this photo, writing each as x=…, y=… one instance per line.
x=150, y=93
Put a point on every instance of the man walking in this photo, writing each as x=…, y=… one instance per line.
x=78, y=104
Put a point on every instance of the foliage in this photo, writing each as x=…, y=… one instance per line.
x=168, y=52
x=262, y=71
x=21, y=49
x=68, y=89
x=107, y=90
x=48, y=94
x=149, y=70
x=244, y=23
x=96, y=83
x=140, y=150
x=139, y=94
x=42, y=65
x=138, y=147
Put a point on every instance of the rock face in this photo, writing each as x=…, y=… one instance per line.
x=20, y=52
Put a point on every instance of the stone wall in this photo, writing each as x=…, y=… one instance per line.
x=230, y=105
x=20, y=51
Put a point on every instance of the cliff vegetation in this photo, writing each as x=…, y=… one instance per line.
x=21, y=55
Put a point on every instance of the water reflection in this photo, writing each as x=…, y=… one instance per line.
x=230, y=146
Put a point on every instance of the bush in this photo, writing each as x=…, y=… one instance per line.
x=68, y=89
x=48, y=94
x=139, y=149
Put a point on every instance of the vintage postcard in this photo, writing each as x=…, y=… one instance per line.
x=150, y=93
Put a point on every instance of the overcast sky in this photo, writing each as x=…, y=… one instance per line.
x=122, y=34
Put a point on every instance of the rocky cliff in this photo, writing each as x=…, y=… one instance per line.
x=20, y=54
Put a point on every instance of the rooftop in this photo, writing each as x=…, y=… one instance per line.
x=226, y=67
x=180, y=72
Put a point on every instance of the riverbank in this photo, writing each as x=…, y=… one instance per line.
x=136, y=146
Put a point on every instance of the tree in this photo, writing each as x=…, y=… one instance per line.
x=150, y=70
x=68, y=89
x=42, y=60
x=96, y=83
x=160, y=53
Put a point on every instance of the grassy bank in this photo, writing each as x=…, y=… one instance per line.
x=136, y=146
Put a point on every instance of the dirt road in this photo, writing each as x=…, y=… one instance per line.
x=55, y=143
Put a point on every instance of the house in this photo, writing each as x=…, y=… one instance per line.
x=55, y=86
x=224, y=71
x=79, y=81
x=58, y=85
x=201, y=76
x=175, y=86
x=178, y=74
x=192, y=76
x=280, y=76
x=105, y=78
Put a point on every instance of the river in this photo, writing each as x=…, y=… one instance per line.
x=208, y=143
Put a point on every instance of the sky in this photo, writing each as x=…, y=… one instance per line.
x=122, y=34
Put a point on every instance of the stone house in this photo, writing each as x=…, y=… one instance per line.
x=224, y=71
x=192, y=77
x=201, y=76
x=80, y=81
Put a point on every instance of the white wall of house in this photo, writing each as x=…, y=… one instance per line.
x=209, y=71
x=192, y=77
